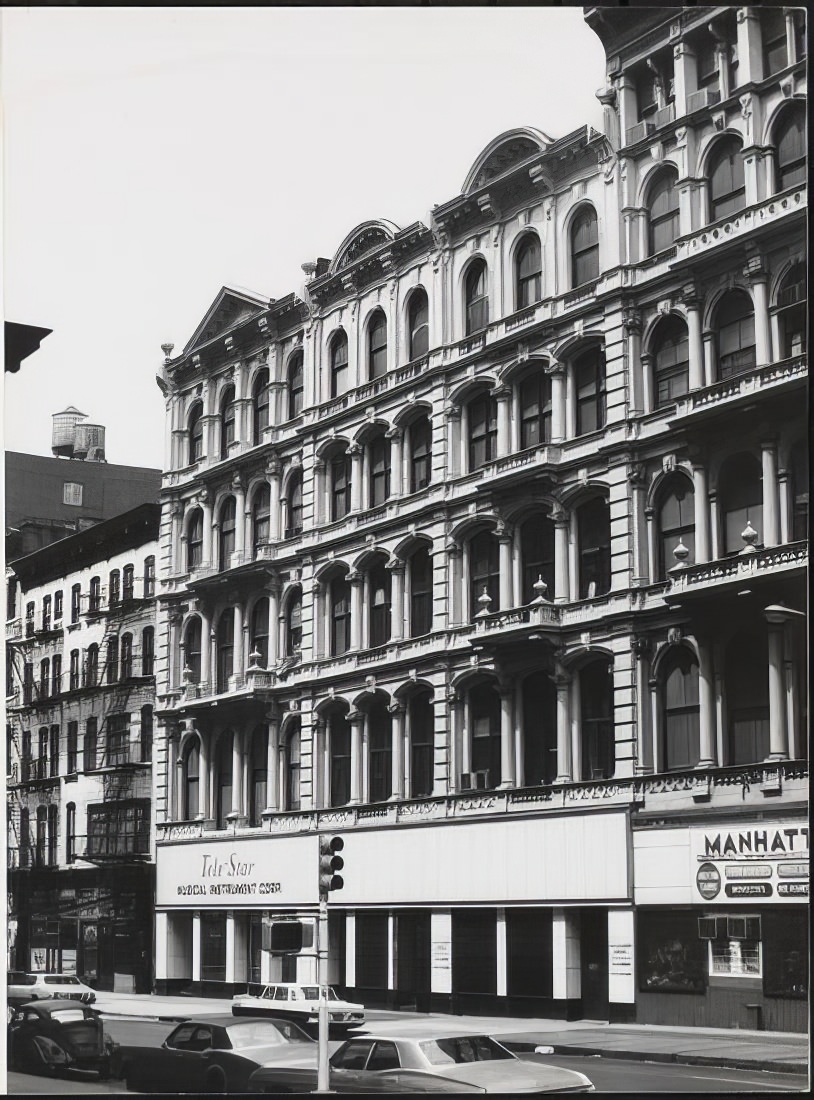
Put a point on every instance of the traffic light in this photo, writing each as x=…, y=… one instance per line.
x=329, y=863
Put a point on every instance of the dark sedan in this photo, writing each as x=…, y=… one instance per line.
x=57, y=1035
x=214, y=1054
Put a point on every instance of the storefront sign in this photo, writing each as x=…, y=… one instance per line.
x=441, y=958
x=708, y=881
x=621, y=960
x=256, y=872
x=38, y=960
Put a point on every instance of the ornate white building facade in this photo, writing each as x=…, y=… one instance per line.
x=487, y=549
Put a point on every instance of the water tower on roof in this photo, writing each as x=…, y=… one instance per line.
x=73, y=437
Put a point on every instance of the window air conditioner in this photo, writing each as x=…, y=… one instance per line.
x=704, y=97
x=639, y=132
x=474, y=781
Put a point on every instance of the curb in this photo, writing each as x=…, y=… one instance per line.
x=662, y=1056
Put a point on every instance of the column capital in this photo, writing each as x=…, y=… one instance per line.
x=274, y=467
x=396, y=708
x=355, y=717
x=452, y=412
x=354, y=450
x=354, y=576
x=502, y=392
x=237, y=483
x=394, y=433
x=396, y=565
x=632, y=322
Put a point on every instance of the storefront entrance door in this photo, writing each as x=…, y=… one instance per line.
x=413, y=960
x=594, y=954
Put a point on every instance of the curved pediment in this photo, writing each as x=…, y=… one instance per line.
x=363, y=239
x=501, y=154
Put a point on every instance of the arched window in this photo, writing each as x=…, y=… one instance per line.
x=339, y=736
x=420, y=577
x=671, y=361
x=537, y=556
x=146, y=734
x=484, y=572
x=792, y=307
x=294, y=513
x=226, y=648
x=377, y=346
x=339, y=365
x=260, y=405
x=196, y=433
x=773, y=36
x=42, y=759
x=380, y=744
x=76, y=602
x=535, y=409
x=228, y=419
x=111, y=660
x=379, y=470
x=740, y=500
x=45, y=677
x=482, y=415
x=225, y=796
x=149, y=576
x=89, y=744
x=192, y=649
x=735, y=324
x=484, y=713
x=126, y=656
x=56, y=674
x=593, y=535
x=128, y=582
x=596, y=710
x=261, y=517
x=589, y=385
x=421, y=718
x=790, y=148
x=418, y=316
x=70, y=832
x=92, y=666
x=727, y=187
x=291, y=766
x=147, y=651
x=379, y=597
x=258, y=774
x=476, y=297
x=114, y=591
x=539, y=730
x=73, y=681
x=528, y=272
x=296, y=385
x=584, y=247
x=419, y=434
x=293, y=624
x=746, y=680
x=195, y=540
x=192, y=782
x=260, y=631
x=662, y=202
x=676, y=523
x=95, y=594
x=228, y=532
x=340, y=486
x=339, y=603
x=682, y=744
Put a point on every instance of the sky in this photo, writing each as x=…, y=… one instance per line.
x=153, y=155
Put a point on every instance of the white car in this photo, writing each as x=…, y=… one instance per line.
x=291, y=1001
x=22, y=988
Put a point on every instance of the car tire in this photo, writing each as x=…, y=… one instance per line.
x=215, y=1080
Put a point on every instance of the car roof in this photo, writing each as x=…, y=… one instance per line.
x=56, y=1003
x=424, y=1038
x=226, y=1021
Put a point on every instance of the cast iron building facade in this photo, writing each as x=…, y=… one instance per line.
x=487, y=549
x=80, y=693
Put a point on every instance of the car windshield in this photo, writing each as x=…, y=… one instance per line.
x=68, y=1015
x=463, y=1048
x=22, y=979
x=311, y=993
x=264, y=1033
x=60, y=979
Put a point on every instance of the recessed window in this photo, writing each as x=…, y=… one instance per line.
x=727, y=186
x=790, y=148
x=377, y=346
x=663, y=225
x=228, y=420
x=379, y=597
x=528, y=266
x=773, y=32
x=735, y=320
x=294, y=526
x=339, y=365
x=340, y=486
x=72, y=493
x=584, y=247
x=482, y=412
x=296, y=385
x=535, y=409
x=589, y=384
x=418, y=318
x=420, y=444
x=379, y=458
x=339, y=599
x=484, y=572
x=671, y=361
x=196, y=433
x=261, y=407
x=476, y=298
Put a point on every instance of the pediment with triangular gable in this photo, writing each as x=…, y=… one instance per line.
x=229, y=309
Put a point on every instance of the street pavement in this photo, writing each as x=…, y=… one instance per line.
x=779, y=1052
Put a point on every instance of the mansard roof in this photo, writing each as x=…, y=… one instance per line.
x=503, y=153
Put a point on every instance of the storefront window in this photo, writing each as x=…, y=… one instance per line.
x=213, y=947
x=734, y=945
x=672, y=958
x=785, y=952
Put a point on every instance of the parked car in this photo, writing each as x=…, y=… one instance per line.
x=213, y=1054
x=290, y=1001
x=457, y=1063
x=55, y=1035
x=22, y=988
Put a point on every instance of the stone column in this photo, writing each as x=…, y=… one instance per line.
x=648, y=388
x=357, y=721
x=397, y=570
x=209, y=540
x=776, y=617
x=701, y=512
x=196, y=946
x=273, y=765
x=652, y=547
x=708, y=339
x=566, y=964
x=785, y=517
x=174, y=807
x=750, y=46
x=501, y=953
x=558, y=421
x=356, y=580
x=273, y=473
x=178, y=782
x=174, y=674
x=206, y=652
x=562, y=585
x=453, y=415
x=562, y=682
x=357, y=477
x=644, y=756
x=274, y=622
x=570, y=406
x=504, y=411
x=237, y=774
x=760, y=297
x=203, y=771
x=635, y=365
x=696, y=344
x=771, y=503
x=177, y=539
x=239, y=644
x=396, y=437
x=637, y=480
x=397, y=712
x=506, y=595
x=321, y=507
x=507, y=756
x=240, y=519
x=454, y=584
x=684, y=78
x=706, y=706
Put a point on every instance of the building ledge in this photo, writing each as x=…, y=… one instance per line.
x=699, y=580
x=721, y=396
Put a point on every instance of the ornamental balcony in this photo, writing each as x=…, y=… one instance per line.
x=762, y=215
x=14, y=629
x=726, y=574
x=255, y=683
x=724, y=397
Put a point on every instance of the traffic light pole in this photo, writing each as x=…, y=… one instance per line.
x=323, y=1078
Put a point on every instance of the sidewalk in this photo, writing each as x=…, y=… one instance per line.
x=729, y=1048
